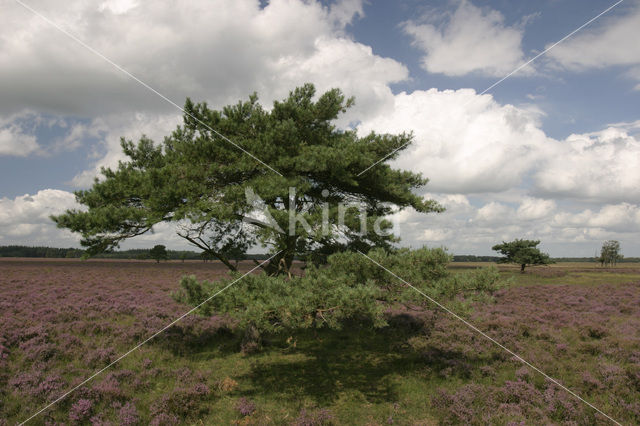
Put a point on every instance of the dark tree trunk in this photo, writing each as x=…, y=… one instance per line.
x=226, y=262
x=281, y=264
x=522, y=268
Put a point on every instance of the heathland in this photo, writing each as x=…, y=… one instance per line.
x=62, y=320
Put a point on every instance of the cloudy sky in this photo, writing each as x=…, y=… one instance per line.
x=551, y=153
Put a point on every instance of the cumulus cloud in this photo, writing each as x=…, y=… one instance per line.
x=216, y=51
x=473, y=40
x=16, y=138
x=535, y=208
x=623, y=217
x=610, y=42
x=476, y=227
x=494, y=213
x=25, y=219
x=13, y=141
x=467, y=143
x=464, y=143
x=599, y=166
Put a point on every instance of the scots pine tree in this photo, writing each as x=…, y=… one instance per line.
x=211, y=188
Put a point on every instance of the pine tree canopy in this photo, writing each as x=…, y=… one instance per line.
x=522, y=252
x=200, y=182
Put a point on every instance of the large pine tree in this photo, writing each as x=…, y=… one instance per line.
x=292, y=157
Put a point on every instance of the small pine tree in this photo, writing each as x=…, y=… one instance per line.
x=522, y=252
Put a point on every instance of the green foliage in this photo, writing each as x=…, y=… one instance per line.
x=610, y=253
x=199, y=181
x=522, y=252
x=349, y=288
x=158, y=252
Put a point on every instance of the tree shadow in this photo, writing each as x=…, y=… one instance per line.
x=325, y=365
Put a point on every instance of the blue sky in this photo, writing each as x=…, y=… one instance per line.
x=550, y=153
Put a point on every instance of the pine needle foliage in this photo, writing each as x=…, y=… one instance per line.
x=199, y=181
x=350, y=288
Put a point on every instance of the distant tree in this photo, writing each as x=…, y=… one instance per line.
x=522, y=252
x=183, y=256
x=610, y=253
x=158, y=252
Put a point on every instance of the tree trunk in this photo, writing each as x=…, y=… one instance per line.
x=522, y=268
x=226, y=262
x=281, y=264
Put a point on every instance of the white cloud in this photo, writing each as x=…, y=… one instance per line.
x=599, y=166
x=494, y=213
x=486, y=160
x=216, y=51
x=25, y=219
x=16, y=138
x=467, y=143
x=345, y=11
x=14, y=142
x=623, y=217
x=610, y=42
x=464, y=143
x=535, y=208
x=472, y=41
x=567, y=232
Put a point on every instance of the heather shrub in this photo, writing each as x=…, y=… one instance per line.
x=99, y=357
x=37, y=386
x=164, y=419
x=4, y=352
x=245, y=407
x=458, y=408
x=317, y=417
x=557, y=327
x=39, y=349
x=80, y=411
x=128, y=414
x=181, y=402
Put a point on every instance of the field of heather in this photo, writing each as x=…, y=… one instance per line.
x=62, y=320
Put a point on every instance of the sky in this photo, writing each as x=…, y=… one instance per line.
x=552, y=152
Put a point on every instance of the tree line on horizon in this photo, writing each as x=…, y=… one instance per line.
x=75, y=253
